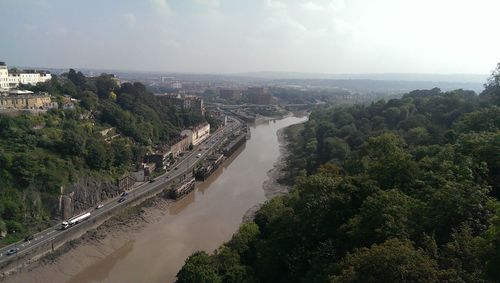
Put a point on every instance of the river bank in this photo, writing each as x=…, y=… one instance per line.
x=157, y=236
x=105, y=240
x=272, y=187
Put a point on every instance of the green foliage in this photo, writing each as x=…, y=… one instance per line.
x=391, y=261
x=383, y=215
x=199, y=268
x=98, y=155
x=399, y=191
x=41, y=154
x=385, y=160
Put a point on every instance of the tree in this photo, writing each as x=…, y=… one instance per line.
x=385, y=160
x=492, y=87
x=417, y=136
x=484, y=120
x=122, y=152
x=336, y=149
x=78, y=79
x=105, y=85
x=99, y=156
x=392, y=261
x=73, y=142
x=247, y=233
x=198, y=268
x=229, y=266
x=386, y=214
x=490, y=248
x=89, y=100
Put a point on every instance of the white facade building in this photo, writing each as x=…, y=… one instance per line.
x=4, y=76
x=198, y=133
x=13, y=79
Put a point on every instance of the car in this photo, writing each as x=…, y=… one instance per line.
x=99, y=206
x=199, y=155
x=176, y=168
x=12, y=251
x=166, y=177
x=124, y=194
x=122, y=199
x=29, y=238
x=152, y=180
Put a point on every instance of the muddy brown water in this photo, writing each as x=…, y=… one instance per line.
x=202, y=220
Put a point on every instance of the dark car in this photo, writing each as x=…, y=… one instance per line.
x=29, y=238
x=122, y=199
x=176, y=168
x=124, y=194
x=12, y=251
x=152, y=180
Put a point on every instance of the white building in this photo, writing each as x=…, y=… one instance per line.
x=15, y=78
x=175, y=85
x=4, y=76
x=198, y=133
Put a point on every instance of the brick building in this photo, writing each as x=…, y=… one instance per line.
x=259, y=95
x=26, y=100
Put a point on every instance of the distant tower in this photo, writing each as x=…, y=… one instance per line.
x=4, y=76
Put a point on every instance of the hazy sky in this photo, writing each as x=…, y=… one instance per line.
x=226, y=36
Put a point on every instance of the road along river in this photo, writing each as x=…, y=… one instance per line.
x=202, y=220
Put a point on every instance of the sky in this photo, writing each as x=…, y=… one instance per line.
x=232, y=36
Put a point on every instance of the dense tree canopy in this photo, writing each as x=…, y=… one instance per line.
x=399, y=191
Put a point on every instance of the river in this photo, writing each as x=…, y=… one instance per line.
x=202, y=220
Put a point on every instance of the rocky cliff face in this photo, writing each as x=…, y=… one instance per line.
x=86, y=193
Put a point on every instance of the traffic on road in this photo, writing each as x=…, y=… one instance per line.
x=182, y=167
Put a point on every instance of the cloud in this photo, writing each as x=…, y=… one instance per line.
x=210, y=3
x=161, y=6
x=290, y=35
x=275, y=4
x=312, y=6
x=129, y=19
